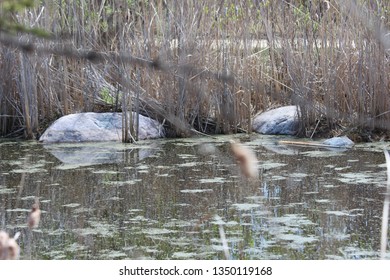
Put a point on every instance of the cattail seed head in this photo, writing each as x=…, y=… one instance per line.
x=34, y=217
x=3, y=244
x=246, y=159
x=9, y=248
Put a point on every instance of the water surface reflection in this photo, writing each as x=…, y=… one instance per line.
x=166, y=199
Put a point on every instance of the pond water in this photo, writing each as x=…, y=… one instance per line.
x=186, y=198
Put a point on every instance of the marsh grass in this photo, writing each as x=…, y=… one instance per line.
x=202, y=66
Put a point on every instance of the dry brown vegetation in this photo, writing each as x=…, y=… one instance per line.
x=205, y=66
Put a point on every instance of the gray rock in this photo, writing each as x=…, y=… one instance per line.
x=342, y=142
x=283, y=120
x=93, y=127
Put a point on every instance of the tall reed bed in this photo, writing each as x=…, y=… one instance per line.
x=205, y=66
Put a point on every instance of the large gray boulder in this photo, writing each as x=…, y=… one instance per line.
x=283, y=120
x=93, y=127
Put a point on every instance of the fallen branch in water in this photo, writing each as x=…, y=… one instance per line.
x=309, y=144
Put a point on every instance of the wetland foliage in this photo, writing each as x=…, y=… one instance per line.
x=205, y=66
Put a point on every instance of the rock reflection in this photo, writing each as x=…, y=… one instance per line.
x=87, y=154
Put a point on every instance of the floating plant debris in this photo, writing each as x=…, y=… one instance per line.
x=196, y=190
x=245, y=206
x=212, y=180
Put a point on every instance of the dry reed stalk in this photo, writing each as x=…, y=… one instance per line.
x=385, y=212
x=25, y=97
x=328, y=63
x=225, y=245
x=27, y=87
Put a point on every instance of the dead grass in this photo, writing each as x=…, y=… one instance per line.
x=203, y=65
